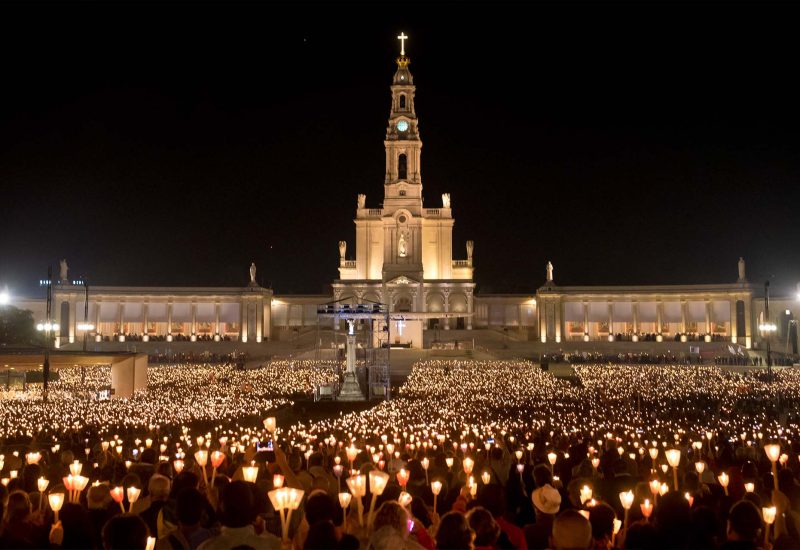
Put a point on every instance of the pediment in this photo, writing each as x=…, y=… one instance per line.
x=402, y=280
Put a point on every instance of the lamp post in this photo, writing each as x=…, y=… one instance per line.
x=47, y=327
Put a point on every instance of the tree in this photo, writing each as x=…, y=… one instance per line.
x=17, y=328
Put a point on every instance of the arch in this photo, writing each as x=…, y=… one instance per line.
x=435, y=302
x=403, y=101
x=402, y=166
x=458, y=303
x=403, y=302
x=371, y=297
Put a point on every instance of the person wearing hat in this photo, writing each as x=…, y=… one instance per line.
x=547, y=502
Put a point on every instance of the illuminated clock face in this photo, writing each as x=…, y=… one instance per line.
x=402, y=126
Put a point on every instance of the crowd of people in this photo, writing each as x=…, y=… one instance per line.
x=206, y=357
x=631, y=358
x=178, y=337
x=471, y=454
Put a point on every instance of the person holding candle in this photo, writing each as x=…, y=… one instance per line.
x=487, y=532
x=744, y=527
x=571, y=531
x=391, y=529
x=189, y=533
x=237, y=514
x=547, y=502
x=453, y=532
x=98, y=501
x=601, y=518
x=74, y=526
x=125, y=531
x=158, y=488
x=18, y=529
x=493, y=498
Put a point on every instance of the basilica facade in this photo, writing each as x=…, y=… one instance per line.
x=404, y=248
x=403, y=257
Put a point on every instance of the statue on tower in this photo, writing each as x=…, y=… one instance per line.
x=742, y=278
x=470, y=249
x=253, y=274
x=362, y=201
x=342, y=250
x=445, y=200
x=63, y=270
x=549, y=272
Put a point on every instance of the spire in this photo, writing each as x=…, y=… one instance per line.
x=402, y=140
x=403, y=76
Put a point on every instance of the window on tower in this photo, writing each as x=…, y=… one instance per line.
x=402, y=167
x=402, y=101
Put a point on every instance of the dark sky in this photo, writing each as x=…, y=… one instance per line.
x=173, y=144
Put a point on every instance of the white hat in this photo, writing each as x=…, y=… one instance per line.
x=547, y=499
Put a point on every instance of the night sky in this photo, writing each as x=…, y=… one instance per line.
x=154, y=144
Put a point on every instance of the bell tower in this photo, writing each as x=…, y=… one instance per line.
x=403, y=182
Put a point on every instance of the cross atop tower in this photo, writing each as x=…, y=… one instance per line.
x=402, y=38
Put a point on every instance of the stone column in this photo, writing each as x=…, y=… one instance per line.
x=259, y=319
x=243, y=328
x=541, y=319
x=216, y=318
x=708, y=321
x=267, y=319
x=97, y=318
x=193, y=335
x=611, y=336
x=145, y=312
x=72, y=322
x=169, y=319
x=470, y=307
x=425, y=293
x=684, y=306
x=748, y=322
x=446, y=292
x=659, y=320
x=337, y=294
x=585, y=321
x=732, y=322
x=120, y=310
x=557, y=321
x=635, y=309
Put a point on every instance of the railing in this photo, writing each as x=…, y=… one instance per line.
x=461, y=263
x=433, y=212
x=349, y=263
x=375, y=212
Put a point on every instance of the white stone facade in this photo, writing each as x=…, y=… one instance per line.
x=404, y=250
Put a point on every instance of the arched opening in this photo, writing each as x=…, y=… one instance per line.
x=402, y=167
x=402, y=101
x=403, y=303
x=458, y=304
x=435, y=304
